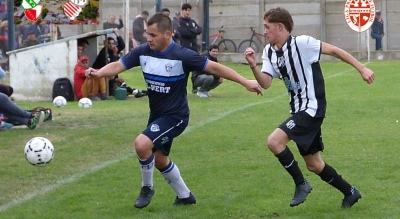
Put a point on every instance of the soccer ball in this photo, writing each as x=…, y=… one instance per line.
x=39, y=151
x=85, y=103
x=59, y=101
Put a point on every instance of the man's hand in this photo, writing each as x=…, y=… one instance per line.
x=250, y=56
x=254, y=86
x=91, y=73
x=120, y=17
x=367, y=75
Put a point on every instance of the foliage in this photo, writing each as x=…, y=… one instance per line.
x=44, y=12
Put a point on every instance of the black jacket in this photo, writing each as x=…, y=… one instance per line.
x=102, y=58
x=189, y=30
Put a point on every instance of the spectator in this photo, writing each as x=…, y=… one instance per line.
x=4, y=37
x=377, y=31
x=15, y=115
x=31, y=40
x=188, y=29
x=166, y=11
x=110, y=23
x=85, y=87
x=132, y=42
x=106, y=54
x=205, y=80
x=139, y=27
x=175, y=21
x=82, y=46
x=45, y=36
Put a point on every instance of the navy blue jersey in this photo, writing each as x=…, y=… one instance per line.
x=166, y=75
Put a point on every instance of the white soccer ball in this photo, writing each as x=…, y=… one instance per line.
x=85, y=103
x=39, y=151
x=59, y=101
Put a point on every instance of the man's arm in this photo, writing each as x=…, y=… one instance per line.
x=228, y=73
x=265, y=80
x=109, y=70
x=339, y=53
x=121, y=23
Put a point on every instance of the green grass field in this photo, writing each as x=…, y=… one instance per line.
x=222, y=155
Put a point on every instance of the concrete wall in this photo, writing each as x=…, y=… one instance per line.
x=323, y=19
x=33, y=71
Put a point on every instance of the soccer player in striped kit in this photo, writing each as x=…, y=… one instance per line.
x=295, y=60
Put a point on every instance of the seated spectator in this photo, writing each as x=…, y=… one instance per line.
x=45, y=36
x=5, y=89
x=205, y=80
x=84, y=87
x=82, y=46
x=15, y=115
x=31, y=40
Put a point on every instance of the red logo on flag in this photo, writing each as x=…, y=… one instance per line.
x=71, y=10
x=33, y=14
x=359, y=14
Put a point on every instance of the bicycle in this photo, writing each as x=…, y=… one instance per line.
x=224, y=44
x=252, y=42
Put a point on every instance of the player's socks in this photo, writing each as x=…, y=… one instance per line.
x=287, y=160
x=147, y=167
x=329, y=175
x=173, y=177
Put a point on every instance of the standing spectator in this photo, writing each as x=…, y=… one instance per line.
x=175, y=21
x=175, y=33
x=4, y=37
x=205, y=80
x=139, y=27
x=295, y=61
x=189, y=29
x=377, y=31
x=132, y=42
x=165, y=67
x=110, y=23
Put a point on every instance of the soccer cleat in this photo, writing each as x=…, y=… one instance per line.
x=5, y=126
x=104, y=97
x=350, y=200
x=202, y=93
x=146, y=193
x=93, y=98
x=300, y=194
x=48, y=114
x=185, y=201
x=36, y=120
x=140, y=94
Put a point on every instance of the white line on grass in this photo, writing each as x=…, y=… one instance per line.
x=189, y=129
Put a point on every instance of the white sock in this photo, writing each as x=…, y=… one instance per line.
x=147, y=167
x=174, y=179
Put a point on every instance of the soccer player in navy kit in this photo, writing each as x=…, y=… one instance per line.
x=166, y=67
x=295, y=60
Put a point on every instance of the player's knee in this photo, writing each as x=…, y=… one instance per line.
x=314, y=167
x=272, y=143
x=141, y=148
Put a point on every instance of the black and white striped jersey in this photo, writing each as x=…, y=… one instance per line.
x=297, y=65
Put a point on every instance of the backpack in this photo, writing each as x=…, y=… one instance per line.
x=63, y=87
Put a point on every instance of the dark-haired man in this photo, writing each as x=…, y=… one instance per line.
x=166, y=67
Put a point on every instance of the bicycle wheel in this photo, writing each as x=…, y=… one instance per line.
x=248, y=43
x=227, y=45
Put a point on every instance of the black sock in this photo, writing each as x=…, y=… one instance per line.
x=287, y=160
x=329, y=175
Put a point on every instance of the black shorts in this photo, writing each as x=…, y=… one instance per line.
x=162, y=131
x=305, y=130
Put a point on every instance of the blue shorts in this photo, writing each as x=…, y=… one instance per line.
x=305, y=130
x=163, y=129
